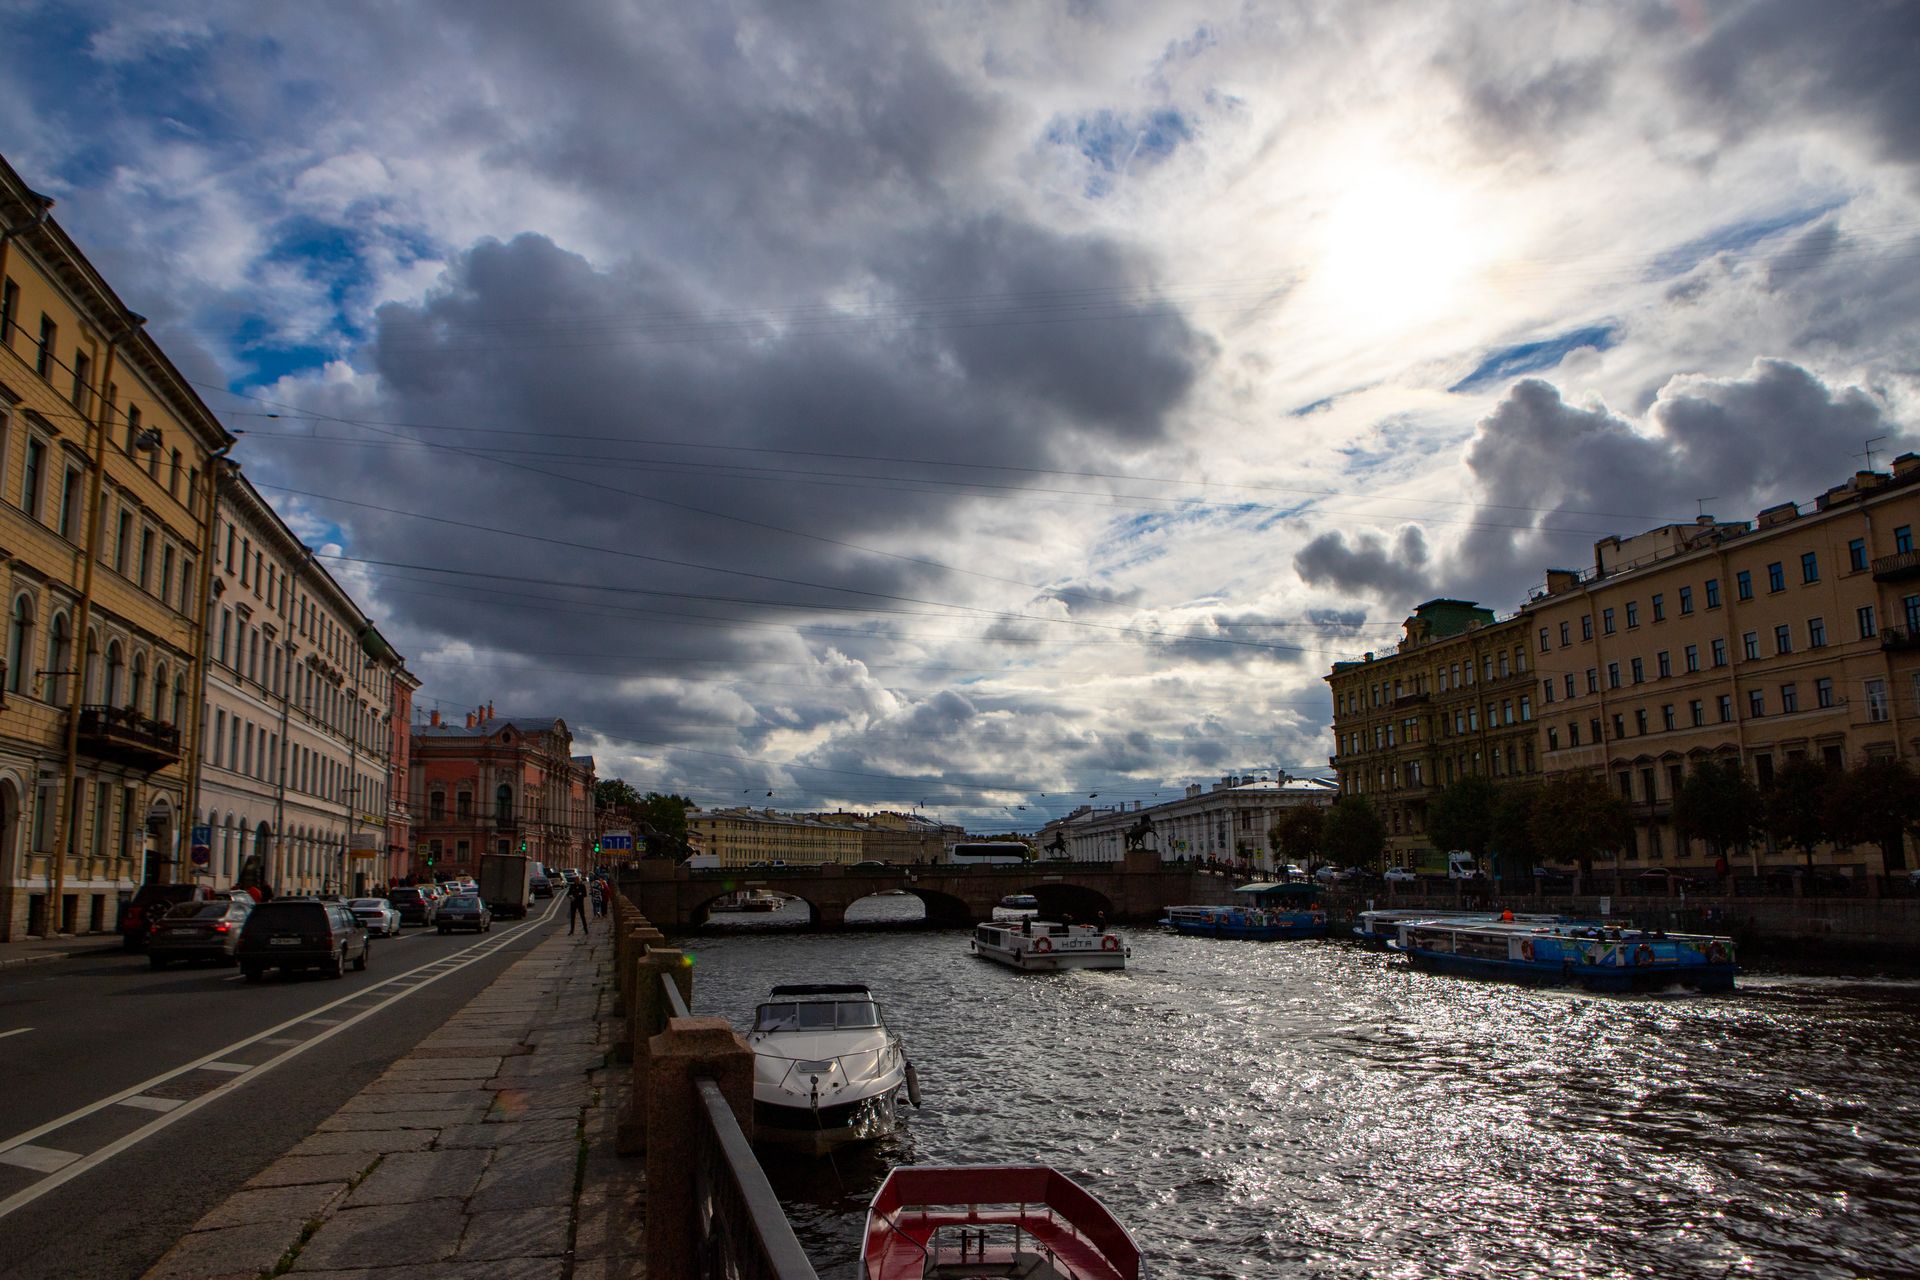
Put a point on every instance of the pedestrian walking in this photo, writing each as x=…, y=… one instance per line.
x=599, y=898
x=577, y=905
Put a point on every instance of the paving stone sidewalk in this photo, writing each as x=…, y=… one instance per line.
x=464, y=1160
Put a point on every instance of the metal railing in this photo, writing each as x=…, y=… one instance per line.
x=670, y=993
x=744, y=1233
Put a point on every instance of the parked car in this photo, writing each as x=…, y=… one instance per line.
x=202, y=930
x=871, y=864
x=380, y=916
x=142, y=916
x=1399, y=875
x=290, y=934
x=414, y=903
x=465, y=912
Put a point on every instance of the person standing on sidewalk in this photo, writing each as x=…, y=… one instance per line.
x=577, y=905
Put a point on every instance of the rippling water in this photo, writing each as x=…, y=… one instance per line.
x=1312, y=1109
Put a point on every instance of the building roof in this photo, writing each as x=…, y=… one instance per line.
x=487, y=728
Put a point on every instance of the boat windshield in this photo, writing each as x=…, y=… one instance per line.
x=817, y=1015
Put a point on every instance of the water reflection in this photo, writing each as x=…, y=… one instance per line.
x=1254, y=1109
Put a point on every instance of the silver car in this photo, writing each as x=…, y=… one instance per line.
x=464, y=912
x=381, y=917
x=208, y=930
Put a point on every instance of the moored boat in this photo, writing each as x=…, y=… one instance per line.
x=1264, y=911
x=1602, y=958
x=1380, y=928
x=1042, y=946
x=826, y=1068
x=929, y=1222
x=1020, y=902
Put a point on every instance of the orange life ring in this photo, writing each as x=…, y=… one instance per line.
x=1717, y=953
x=1643, y=954
x=1207, y=918
x=1109, y=943
x=1042, y=945
x=1526, y=948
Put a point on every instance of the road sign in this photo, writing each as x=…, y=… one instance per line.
x=202, y=834
x=617, y=840
x=201, y=854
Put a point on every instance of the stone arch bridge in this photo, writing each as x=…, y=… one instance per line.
x=1136, y=889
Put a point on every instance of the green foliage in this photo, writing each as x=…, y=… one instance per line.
x=1797, y=806
x=1576, y=815
x=1716, y=803
x=1298, y=833
x=1462, y=816
x=1352, y=833
x=1513, y=841
x=611, y=792
x=662, y=820
x=1877, y=803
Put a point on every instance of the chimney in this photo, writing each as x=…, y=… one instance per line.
x=433, y=717
x=489, y=709
x=469, y=719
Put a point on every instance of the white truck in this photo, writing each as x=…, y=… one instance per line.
x=506, y=883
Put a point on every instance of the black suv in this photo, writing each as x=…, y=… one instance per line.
x=414, y=905
x=302, y=933
x=139, y=918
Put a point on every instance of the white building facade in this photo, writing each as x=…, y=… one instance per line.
x=1228, y=822
x=295, y=784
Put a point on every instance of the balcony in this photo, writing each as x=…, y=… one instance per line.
x=1411, y=700
x=124, y=736
x=1897, y=568
x=1894, y=640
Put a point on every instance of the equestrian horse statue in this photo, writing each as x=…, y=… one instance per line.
x=1137, y=833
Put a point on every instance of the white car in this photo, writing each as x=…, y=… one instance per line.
x=381, y=917
x=1400, y=875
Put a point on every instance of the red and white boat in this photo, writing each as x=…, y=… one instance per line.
x=1026, y=1221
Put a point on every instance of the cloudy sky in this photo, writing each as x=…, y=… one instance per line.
x=979, y=406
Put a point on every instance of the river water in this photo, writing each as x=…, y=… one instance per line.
x=1314, y=1109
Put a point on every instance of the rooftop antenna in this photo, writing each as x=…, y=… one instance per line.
x=1870, y=450
x=1700, y=504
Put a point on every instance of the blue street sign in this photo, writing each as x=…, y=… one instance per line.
x=617, y=840
x=201, y=835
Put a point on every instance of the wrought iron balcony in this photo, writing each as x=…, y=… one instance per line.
x=1897, y=568
x=1895, y=640
x=124, y=735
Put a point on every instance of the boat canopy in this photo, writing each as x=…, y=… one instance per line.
x=1272, y=891
x=820, y=989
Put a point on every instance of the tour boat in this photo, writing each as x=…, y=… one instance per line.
x=1379, y=928
x=1266, y=910
x=929, y=1222
x=1020, y=902
x=1041, y=946
x=826, y=1068
x=1603, y=958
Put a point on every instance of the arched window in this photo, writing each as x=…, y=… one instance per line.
x=90, y=674
x=160, y=692
x=59, y=658
x=436, y=805
x=179, y=699
x=19, y=644
x=503, y=804
x=138, y=689
x=116, y=673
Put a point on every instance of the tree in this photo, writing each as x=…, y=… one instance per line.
x=662, y=823
x=1716, y=803
x=610, y=793
x=1461, y=816
x=1877, y=803
x=1352, y=833
x=1297, y=835
x=1513, y=841
x=1579, y=814
x=1798, y=805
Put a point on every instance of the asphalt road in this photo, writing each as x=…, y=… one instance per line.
x=133, y=1101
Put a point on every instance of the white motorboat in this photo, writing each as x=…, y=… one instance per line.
x=1041, y=946
x=826, y=1069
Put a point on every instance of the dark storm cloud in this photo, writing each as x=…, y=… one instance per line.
x=1856, y=64
x=1779, y=434
x=1367, y=564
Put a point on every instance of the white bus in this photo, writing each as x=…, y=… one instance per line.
x=970, y=853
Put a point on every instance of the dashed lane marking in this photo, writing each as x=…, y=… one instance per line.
x=17, y=1031
x=150, y=1103
x=235, y=1067
x=39, y=1159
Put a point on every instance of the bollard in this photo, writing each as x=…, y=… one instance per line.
x=689, y=1049
x=647, y=1014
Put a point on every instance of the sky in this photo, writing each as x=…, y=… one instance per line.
x=984, y=409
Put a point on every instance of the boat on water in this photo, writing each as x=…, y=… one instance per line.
x=748, y=900
x=826, y=1068
x=931, y=1222
x=1042, y=946
x=1379, y=928
x=1598, y=957
x=1262, y=911
x=1020, y=902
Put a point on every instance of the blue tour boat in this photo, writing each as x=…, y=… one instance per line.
x=1263, y=912
x=1599, y=957
x=1378, y=928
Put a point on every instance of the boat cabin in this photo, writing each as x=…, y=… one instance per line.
x=818, y=1007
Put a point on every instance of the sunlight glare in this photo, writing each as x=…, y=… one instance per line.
x=1396, y=248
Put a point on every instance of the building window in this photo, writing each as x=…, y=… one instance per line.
x=1697, y=710
x=1903, y=539
x=1547, y=694
x=1691, y=654
x=1659, y=608
x=1639, y=670
x=503, y=804
x=1613, y=675
x=32, y=474
x=9, y=308
x=1526, y=708
x=1619, y=727
x=1686, y=600
x=1606, y=621
x=1713, y=593
x=1750, y=645
x=1545, y=645
x=1776, y=577
x=1640, y=722
x=1743, y=585
x=1720, y=653
x=1810, y=567
x=69, y=504
x=1664, y=663
x=1570, y=687
x=1823, y=692
x=1783, y=639
x=1876, y=700
x=146, y=557
x=1789, y=699
x=1553, y=739
x=82, y=374
x=1857, y=554
x=1816, y=633
x=1593, y=680
x=1565, y=635
x=463, y=805
x=1864, y=616
x=49, y=336
x=1573, y=733
x=1633, y=613
x=1726, y=708
x=1756, y=703
x=1910, y=605
x=20, y=645
x=1586, y=626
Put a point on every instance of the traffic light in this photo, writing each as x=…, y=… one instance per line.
x=523, y=846
x=596, y=846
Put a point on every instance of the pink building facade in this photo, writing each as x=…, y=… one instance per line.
x=498, y=784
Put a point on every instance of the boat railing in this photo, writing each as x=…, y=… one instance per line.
x=745, y=1233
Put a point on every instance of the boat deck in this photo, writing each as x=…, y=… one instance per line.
x=1041, y=1246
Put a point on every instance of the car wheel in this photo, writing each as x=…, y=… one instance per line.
x=444, y=930
x=229, y=960
x=250, y=972
x=156, y=962
x=360, y=965
x=337, y=967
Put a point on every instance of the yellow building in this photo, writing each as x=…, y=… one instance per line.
x=105, y=458
x=1456, y=700
x=742, y=837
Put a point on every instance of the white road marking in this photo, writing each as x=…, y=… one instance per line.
x=17, y=1031
x=39, y=1159
x=66, y=1172
x=152, y=1104
x=282, y=1040
x=327, y=1022
x=235, y=1067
